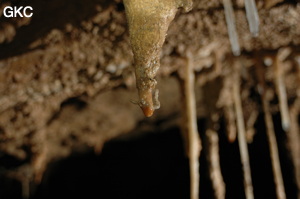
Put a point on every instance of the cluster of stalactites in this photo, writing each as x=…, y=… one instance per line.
x=253, y=21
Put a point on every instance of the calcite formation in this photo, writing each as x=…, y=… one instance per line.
x=148, y=22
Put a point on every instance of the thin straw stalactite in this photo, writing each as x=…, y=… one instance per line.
x=242, y=134
x=190, y=125
x=214, y=164
x=281, y=90
x=229, y=115
x=252, y=17
x=294, y=141
x=230, y=20
x=294, y=131
x=280, y=191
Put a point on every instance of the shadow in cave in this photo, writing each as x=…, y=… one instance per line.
x=260, y=162
x=154, y=165
x=48, y=15
x=151, y=166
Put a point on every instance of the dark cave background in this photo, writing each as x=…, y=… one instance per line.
x=154, y=165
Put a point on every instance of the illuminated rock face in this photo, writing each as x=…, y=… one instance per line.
x=148, y=22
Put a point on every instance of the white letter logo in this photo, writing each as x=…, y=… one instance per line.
x=9, y=13
x=24, y=12
x=17, y=12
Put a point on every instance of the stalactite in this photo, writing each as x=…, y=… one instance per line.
x=148, y=22
x=294, y=136
x=226, y=102
x=194, y=139
x=214, y=164
x=252, y=17
x=250, y=126
x=280, y=88
x=24, y=175
x=190, y=124
x=294, y=141
x=280, y=191
x=230, y=20
x=242, y=134
x=230, y=123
